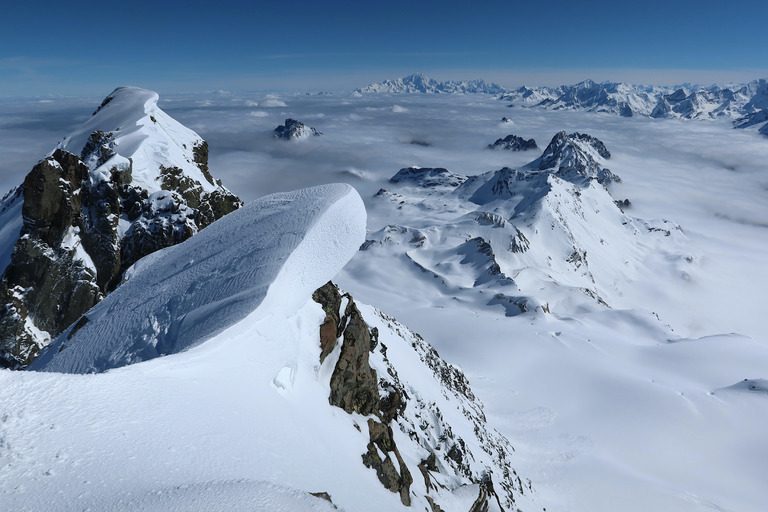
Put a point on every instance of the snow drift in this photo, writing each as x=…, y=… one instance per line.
x=268, y=256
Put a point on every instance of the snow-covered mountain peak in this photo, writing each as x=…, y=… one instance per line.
x=420, y=83
x=129, y=129
x=575, y=156
x=127, y=182
x=295, y=130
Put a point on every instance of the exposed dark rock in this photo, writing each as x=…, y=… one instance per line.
x=293, y=129
x=323, y=496
x=97, y=149
x=396, y=481
x=425, y=466
x=514, y=143
x=72, y=249
x=570, y=157
x=354, y=384
x=519, y=243
x=329, y=297
x=200, y=153
x=354, y=388
x=398, y=406
x=485, y=493
x=623, y=204
x=428, y=177
x=481, y=504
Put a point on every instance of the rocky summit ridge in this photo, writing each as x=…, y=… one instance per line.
x=131, y=180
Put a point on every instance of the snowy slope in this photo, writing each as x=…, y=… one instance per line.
x=129, y=181
x=135, y=437
x=254, y=258
x=139, y=131
x=549, y=235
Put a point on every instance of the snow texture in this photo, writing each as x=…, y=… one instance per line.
x=271, y=255
x=643, y=406
x=138, y=130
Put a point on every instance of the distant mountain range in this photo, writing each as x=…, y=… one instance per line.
x=746, y=104
x=419, y=83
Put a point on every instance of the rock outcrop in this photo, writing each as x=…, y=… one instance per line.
x=514, y=143
x=428, y=177
x=295, y=130
x=399, y=419
x=575, y=157
x=96, y=205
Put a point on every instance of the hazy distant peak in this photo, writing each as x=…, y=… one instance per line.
x=420, y=83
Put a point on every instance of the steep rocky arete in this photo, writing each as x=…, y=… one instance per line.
x=365, y=382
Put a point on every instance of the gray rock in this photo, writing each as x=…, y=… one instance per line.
x=428, y=177
x=294, y=130
x=514, y=143
x=71, y=251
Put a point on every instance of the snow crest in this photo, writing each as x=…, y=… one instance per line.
x=268, y=256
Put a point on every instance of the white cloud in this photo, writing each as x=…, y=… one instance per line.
x=272, y=100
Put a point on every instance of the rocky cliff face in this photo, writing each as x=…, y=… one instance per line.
x=513, y=143
x=424, y=441
x=130, y=181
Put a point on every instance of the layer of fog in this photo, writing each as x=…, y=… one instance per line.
x=707, y=177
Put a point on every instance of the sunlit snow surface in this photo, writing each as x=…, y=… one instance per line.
x=610, y=410
x=271, y=254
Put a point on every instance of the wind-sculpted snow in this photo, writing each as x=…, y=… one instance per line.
x=270, y=255
x=139, y=134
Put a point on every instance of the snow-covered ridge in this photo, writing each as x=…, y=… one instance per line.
x=738, y=102
x=241, y=289
x=547, y=236
x=129, y=181
x=135, y=128
x=688, y=102
x=265, y=258
x=419, y=83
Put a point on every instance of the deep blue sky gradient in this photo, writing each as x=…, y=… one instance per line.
x=89, y=48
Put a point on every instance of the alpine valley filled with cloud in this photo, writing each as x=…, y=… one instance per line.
x=415, y=295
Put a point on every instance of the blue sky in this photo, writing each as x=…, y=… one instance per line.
x=89, y=48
